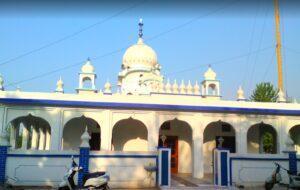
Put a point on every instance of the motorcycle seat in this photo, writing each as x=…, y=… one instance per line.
x=93, y=175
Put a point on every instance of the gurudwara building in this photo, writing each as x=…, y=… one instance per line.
x=148, y=111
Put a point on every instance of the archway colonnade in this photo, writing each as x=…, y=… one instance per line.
x=191, y=138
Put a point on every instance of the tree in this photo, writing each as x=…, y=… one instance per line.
x=267, y=139
x=264, y=92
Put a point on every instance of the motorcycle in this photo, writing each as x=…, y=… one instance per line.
x=275, y=178
x=96, y=180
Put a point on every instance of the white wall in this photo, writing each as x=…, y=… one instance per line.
x=125, y=172
x=36, y=171
x=49, y=171
x=255, y=172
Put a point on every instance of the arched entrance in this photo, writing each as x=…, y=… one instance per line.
x=262, y=139
x=217, y=134
x=177, y=135
x=294, y=133
x=129, y=135
x=73, y=130
x=29, y=132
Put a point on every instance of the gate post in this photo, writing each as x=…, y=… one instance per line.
x=164, y=167
x=292, y=154
x=293, y=162
x=221, y=167
x=3, y=156
x=84, y=156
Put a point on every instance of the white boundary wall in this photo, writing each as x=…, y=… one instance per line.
x=126, y=169
x=47, y=168
x=34, y=169
x=252, y=170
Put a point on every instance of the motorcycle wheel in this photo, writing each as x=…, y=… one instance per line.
x=269, y=186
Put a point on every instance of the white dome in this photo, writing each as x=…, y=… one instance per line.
x=210, y=74
x=139, y=54
x=87, y=67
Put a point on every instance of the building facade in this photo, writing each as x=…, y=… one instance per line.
x=146, y=112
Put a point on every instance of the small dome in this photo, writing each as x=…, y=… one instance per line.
x=87, y=67
x=139, y=54
x=210, y=74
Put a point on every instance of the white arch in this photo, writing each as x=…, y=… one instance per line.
x=255, y=146
x=135, y=140
x=71, y=134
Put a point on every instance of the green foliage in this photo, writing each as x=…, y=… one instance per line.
x=264, y=92
x=267, y=140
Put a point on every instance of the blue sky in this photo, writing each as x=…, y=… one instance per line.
x=240, y=46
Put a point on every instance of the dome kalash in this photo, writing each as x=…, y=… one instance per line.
x=87, y=67
x=139, y=55
x=140, y=72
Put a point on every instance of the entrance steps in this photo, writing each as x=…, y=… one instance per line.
x=186, y=181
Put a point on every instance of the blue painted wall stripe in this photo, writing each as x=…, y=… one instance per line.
x=116, y=105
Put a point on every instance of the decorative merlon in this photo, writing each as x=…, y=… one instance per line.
x=281, y=96
x=240, y=94
x=85, y=138
x=3, y=139
x=107, y=88
x=1, y=83
x=182, y=88
x=59, y=86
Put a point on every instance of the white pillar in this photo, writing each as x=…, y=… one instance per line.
x=12, y=138
x=56, y=131
x=42, y=139
x=153, y=133
x=242, y=144
x=34, y=138
x=106, y=131
x=48, y=139
x=25, y=135
x=198, y=161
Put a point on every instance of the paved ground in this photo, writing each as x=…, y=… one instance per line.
x=178, y=182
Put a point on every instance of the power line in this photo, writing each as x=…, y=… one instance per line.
x=70, y=35
x=259, y=45
x=251, y=43
x=291, y=49
x=121, y=49
x=268, y=67
x=221, y=61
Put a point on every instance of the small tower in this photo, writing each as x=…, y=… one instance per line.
x=210, y=85
x=240, y=94
x=87, y=78
x=1, y=83
x=59, y=86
